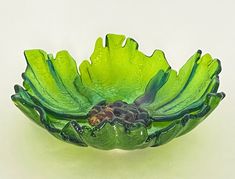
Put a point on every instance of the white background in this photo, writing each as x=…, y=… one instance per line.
x=179, y=28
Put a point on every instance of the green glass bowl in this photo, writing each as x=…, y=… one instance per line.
x=121, y=98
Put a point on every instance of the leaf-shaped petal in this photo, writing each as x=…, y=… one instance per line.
x=116, y=135
x=163, y=131
x=58, y=126
x=51, y=82
x=186, y=91
x=120, y=72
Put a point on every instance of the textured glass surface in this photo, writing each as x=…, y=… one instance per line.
x=121, y=98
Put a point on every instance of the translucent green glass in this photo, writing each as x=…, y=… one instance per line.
x=121, y=98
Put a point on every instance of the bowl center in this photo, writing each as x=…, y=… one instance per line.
x=120, y=110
